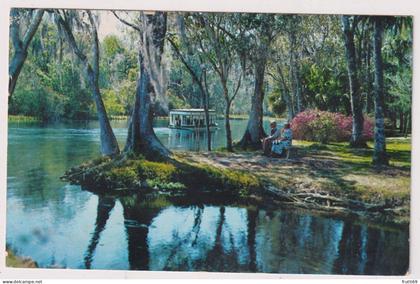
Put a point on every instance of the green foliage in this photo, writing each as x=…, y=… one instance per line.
x=225, y=181
x=276, y=102
x=122, y=177
x=53, y=95
x=111, y=46
x=160, y=172
x=323, y=129
x=112, y=104
x=52, y=84
x=176, y=102
x=136, y=173
x=325, y=89
x=398, y=68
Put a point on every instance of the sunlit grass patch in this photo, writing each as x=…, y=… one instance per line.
x=382, y=188
x=22, y=118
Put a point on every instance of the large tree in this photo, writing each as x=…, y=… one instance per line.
x=141, y=137
x=20, y=45
x=220, y=50
x=349, y=23
x=194, y=64
x=65, y=19
x=262, y=31
x=379, y=154
x=294, y=35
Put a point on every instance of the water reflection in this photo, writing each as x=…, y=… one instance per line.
x=165, y=236
x=105, y=206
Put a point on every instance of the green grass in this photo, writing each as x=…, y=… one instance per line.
x=341, y=171
x=354, y=174
x=398, y=149
x=137, y=173
x=118, y=117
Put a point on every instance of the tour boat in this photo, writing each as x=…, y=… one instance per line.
x=191, y=119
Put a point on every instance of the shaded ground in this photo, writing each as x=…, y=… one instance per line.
x=329, y=173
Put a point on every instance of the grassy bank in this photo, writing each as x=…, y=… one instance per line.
x=332, y=178
x=175, y=176
x=22, y=118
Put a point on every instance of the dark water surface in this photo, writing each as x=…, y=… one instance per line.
x=60, y=225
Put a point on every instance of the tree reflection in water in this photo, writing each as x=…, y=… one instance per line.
x=165, y=235
x=105, y=206
x=138, y=215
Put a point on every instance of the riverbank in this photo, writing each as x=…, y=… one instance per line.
x=22, y=118
x=13, y=260
x=330, y=178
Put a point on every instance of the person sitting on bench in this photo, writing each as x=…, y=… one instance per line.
x=274, y=134
x=284, y=143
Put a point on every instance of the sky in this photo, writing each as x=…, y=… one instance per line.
x=108, y=25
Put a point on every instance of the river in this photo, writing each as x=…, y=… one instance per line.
x=61, y=225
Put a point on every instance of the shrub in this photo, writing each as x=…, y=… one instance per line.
x=162, y=172
x=122, y=177
x=325, y=127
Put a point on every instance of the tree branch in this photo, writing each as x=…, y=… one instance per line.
x=14, y=29
x=36, y=19
x=184, y=61
x=237, y=89
x=137, y=28
x=70, y=37
x=95, y=44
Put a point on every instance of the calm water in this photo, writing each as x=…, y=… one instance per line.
x=60, y=225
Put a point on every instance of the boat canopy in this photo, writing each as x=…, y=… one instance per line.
x=193, y=117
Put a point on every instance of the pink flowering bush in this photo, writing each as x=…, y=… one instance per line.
x=324, y=126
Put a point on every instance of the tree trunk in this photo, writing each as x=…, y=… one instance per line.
x=227, y=127
x=296, y=86
x=207, y=121
x=369, y=101
x=227, y=116
x=14, y=69
x=356, y=139
x=20, y=47
x=394, y=120
x=379, y=154
x=407, y=125
x=109, y=144
x=142, y=138
x=296, y=81
x=401, y=122
x=205, y=95
x=255, y=131
x=286, y=95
